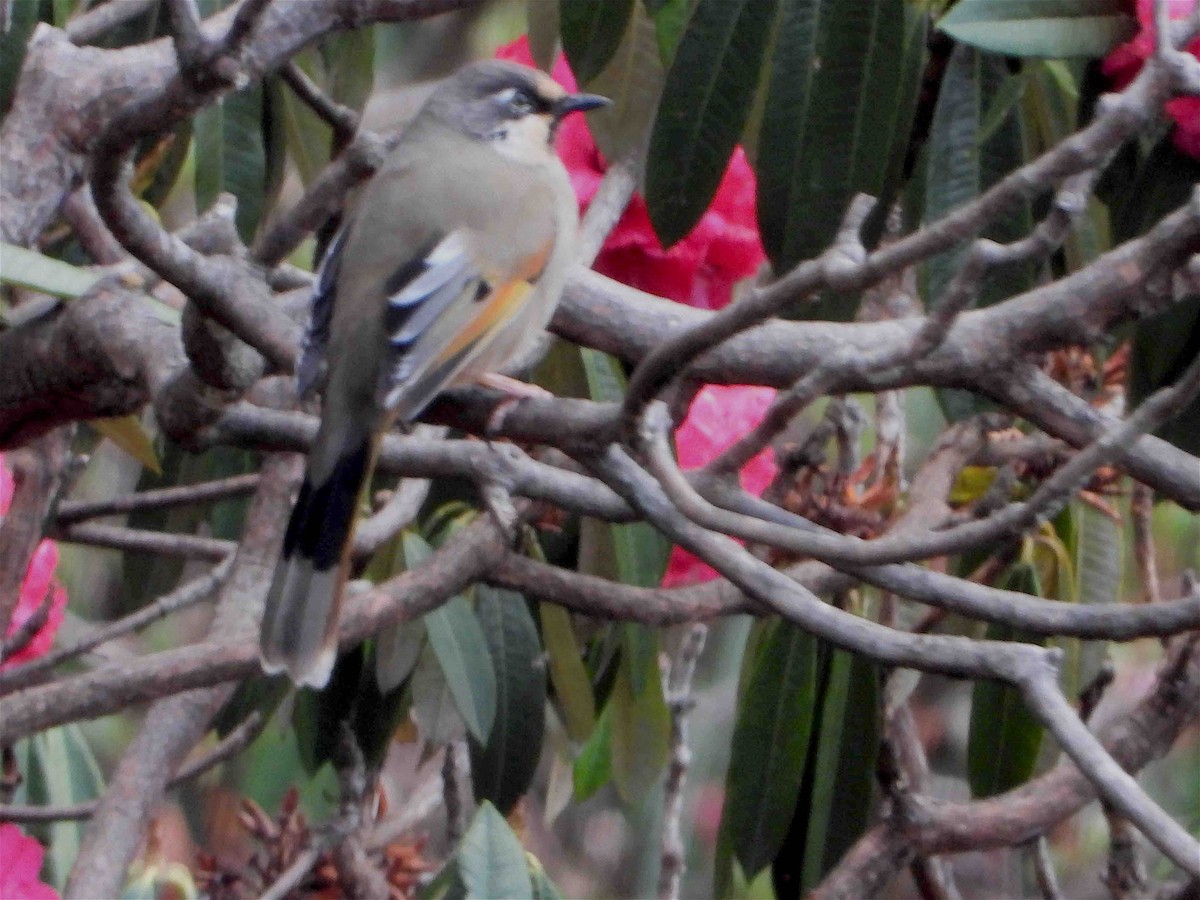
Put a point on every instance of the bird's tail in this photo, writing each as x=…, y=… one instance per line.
x=300, y=624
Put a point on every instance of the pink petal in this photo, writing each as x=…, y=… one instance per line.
x=6, y=487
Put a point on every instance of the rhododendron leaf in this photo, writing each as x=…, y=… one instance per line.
x=959, y=168
x=593, y=765
x=591, y=32
x=831, y=109
x=60, y=771
x=128, y=433
x=1004, y=736
x=457, y=640
x=1163, y=344
x=572, y=686
x=503, y=767
x=27, y=268
x=230, y=155
x=844, y=764
x=641, y=728
x=705, y=104
x=491, y=860
x=770, y=744
x=1054, y=28
x=633, y=81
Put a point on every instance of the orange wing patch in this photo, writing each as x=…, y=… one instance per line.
x=498, y=308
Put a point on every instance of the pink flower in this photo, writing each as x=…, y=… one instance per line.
x=39, y=580
x=718, y=417
x=702, y=268
x=1124, y=63
x=20, y=867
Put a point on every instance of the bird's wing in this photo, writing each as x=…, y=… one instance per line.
x=316, y=334
x=443, y=310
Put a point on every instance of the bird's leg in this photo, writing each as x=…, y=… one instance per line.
x=515, y=390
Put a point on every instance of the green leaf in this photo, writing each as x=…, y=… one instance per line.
x=503, y=768
x=1164, y=344
x=30, y=269
x=843, y=764
x=350, y=66
x=705, y=104
x=433, y=708
x=1004, y=737
x=1054, y=28
x=770, y=744
x=829, y=120
x=633, y=81
x=230, y=155
x=572, y=686
x=593, y=765
x=670, y=19
x=59, y=769
x=543, y=887
x=591, y=32
x=542, y=27
x=128, y=433
x=23, y=19
x=641, y=729
x=961, y=166
x=491, y=861
x=462, y=652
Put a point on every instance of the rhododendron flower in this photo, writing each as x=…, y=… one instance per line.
x=702, y=268
x=718, y=417
x=20, y=867
x=1124, y=63
x=39, y=579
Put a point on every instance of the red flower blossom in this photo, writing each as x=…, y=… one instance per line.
x=39, y=579
x=1124, y=63
x=702, y=268
x=718, y=416
x=20, y=867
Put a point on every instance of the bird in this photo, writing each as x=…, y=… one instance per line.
x=449, y=266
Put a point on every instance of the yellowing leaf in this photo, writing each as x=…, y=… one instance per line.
x=128, y=433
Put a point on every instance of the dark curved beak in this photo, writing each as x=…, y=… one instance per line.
x=579, y=103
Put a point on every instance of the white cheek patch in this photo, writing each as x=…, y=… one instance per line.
x=527, y=138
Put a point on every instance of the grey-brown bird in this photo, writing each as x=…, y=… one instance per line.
x=453, y=260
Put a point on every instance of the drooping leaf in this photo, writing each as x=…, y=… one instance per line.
x=128, y=433
x=308, y=135
x=705, y=104
x=593, y=765
x=567, y=673
x=1004, y=737
x=59, y=769
x=829, y=119
x=23, y=18
x=461, y=649
x=633, y=81
x=490, y=859
x=230, y=156
x=849, y=810
x=641, y=728
x=434, y=710
x=591, y=32
x=1053, y=28
x=770, y=745
x=503, y=768
x=1097, y=550
x=960, y=167
x=29, y=269
x=1164, y=344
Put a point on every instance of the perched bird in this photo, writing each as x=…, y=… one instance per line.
x=453, y=260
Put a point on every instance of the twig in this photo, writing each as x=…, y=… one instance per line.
x=342, y=119
x=1043, y=868
x=1141, y=508
x=1125, y=873
x=14, y=643
x=70, y=512
x=104, y=17
x=293, y=875
x=680, y=703
x=118, y=537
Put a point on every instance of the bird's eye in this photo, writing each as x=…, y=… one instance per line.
x=521, y=104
